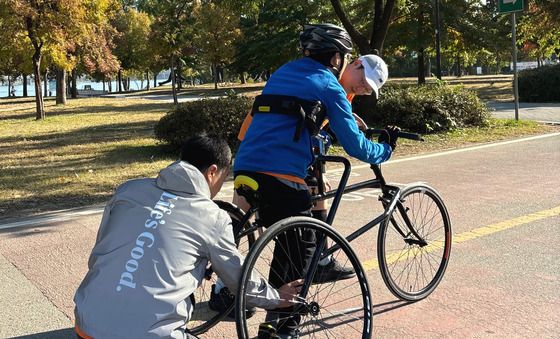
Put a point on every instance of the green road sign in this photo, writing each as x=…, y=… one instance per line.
x=508, y=6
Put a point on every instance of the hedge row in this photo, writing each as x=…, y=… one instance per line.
x=222, y=117
x=540, y=84
x=422, y=109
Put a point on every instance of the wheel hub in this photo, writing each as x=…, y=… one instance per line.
x=314, y=308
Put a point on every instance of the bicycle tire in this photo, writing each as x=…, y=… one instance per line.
x=401, y=259
x=343, y=308
x=203, y=318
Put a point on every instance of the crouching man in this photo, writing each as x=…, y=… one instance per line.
x=154, y=242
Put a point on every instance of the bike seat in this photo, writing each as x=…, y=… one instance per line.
x=247, y=187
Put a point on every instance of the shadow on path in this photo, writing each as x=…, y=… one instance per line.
x=66, y=333
x=389, y=306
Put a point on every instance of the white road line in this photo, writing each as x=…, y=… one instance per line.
x=58, y=216
x=466, y=149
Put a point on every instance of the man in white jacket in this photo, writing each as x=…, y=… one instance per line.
x=155, y=239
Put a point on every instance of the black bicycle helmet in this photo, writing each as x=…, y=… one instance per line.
x=323, y=38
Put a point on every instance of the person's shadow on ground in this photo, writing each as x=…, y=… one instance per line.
x=66, y=333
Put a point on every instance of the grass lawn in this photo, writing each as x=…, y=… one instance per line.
x=83, y=150
x=76, y=156
x=487, y=87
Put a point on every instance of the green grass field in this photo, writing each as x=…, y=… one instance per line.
x=83, y=150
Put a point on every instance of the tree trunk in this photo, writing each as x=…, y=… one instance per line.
x=242, y=76
x=428, y=72
x=155, y=79
x=147, y=80
x=458, y=66
x=110, y=85
x=46, y=83
x=61, y=87
x=381, y=21
x=421, y=69
x=173, y=80
x=74, y=88
x=119, y=79
x=380, y=24
x=125, y=84
x=180, y=77
x=215, y=71
x=37, y=46
x=24, y=79
x=40, y=115
x=359, y=39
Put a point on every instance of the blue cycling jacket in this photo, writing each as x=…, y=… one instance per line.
x=268, y=145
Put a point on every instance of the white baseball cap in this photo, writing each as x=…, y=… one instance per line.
x=375, y=70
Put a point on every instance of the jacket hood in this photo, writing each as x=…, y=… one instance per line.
x=183, y=178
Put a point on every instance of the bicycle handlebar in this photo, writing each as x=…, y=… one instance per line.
x=406, y=135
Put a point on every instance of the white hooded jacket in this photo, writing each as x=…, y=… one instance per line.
x=154, y=242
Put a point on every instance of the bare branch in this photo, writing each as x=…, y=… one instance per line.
x=360, y=40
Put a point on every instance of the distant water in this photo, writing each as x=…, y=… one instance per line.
x=134, y=85
x=52, y=87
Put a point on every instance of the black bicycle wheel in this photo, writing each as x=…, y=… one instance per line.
x=336, y=309
x=413, y=259
x=204, y=318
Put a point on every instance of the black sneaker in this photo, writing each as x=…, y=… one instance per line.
x=332, y=271
x=220, y=302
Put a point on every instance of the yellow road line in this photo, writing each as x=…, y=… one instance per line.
x=507, y=224
x=476, y=233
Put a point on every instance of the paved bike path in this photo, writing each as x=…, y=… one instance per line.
x=543, y=112
x=24, y=308
x=41, y=265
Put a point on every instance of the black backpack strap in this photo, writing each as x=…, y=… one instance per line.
x=309, y=113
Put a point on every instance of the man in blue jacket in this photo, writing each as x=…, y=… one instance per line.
x=278, y=159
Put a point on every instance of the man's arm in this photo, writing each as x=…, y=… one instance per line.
x=227, y=262
x=346, y=129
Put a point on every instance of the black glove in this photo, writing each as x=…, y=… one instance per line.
x=389, y=136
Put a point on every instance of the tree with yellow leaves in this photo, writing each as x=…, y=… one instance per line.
x=58, y=28
x=217, y=32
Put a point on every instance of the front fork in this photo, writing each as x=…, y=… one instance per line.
x=411, y=237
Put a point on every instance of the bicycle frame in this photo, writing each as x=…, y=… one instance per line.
x=389, y=198
x=394, y=199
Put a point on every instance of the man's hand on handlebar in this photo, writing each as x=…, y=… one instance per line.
x=389, y=136
x=361, y=123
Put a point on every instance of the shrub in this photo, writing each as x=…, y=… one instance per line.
x=425, y=109
x=222, y=117
x=540, y=84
